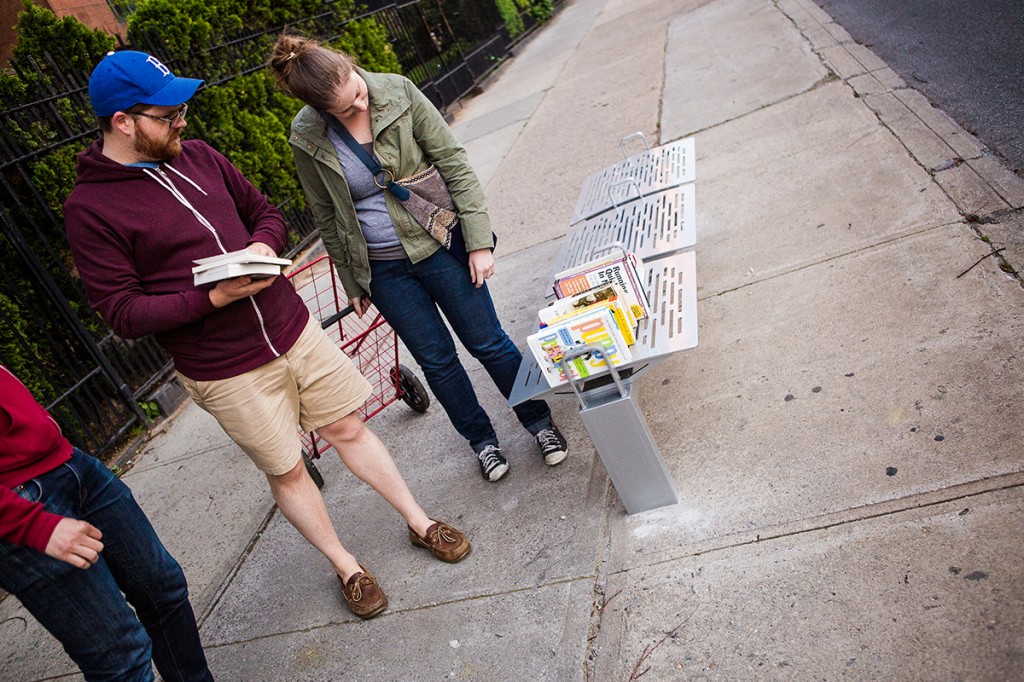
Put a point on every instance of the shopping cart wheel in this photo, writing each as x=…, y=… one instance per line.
x=413, y=393
x=314, y=473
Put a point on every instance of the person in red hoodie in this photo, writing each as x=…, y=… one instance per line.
x=146, y=204
x=72, y=539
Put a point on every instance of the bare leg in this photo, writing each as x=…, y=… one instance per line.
x=302, y=504
x=367, y=458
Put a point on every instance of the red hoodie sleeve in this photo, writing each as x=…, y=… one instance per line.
x=30, y=444
x=25, y=523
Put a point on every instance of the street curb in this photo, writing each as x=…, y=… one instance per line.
x=983, y=189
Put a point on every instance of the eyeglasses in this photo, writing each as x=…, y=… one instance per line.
x=171, y=120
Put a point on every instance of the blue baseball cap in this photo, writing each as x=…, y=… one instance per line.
x=126, y=78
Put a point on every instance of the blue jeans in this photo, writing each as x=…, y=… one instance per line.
x=412, y=297
x=84, y=609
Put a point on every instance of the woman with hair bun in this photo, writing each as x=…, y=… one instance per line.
x=354, y=121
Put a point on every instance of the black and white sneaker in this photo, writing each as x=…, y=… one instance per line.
x=492, y=465
x=552, y=445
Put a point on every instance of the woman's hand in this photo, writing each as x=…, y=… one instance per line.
x=481, y=266
x=360, y=303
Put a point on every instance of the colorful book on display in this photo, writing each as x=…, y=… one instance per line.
x=236, y=264
x=550, y=345
x=626, y=272
x=610, y=297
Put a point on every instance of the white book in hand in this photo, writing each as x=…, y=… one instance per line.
x=236, y=264
x=254, y=270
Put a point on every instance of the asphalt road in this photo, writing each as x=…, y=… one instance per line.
x=966, y=56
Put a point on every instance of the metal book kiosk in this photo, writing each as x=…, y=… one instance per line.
x=656, y=221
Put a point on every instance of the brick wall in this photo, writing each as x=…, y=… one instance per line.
x=8, y=18
x=92, y=13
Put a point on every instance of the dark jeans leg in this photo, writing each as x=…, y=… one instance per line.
x=84, y=609
x=471, y=314
x=408, y=307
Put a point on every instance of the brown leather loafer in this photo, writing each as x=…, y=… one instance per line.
x=444, y=542
x=363, y=595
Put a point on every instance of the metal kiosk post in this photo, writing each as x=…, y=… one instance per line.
x=616, y=425
x=659, y=226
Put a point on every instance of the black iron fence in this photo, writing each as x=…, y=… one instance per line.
x=97, y=385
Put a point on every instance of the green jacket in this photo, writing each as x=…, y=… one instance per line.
x=409, y=134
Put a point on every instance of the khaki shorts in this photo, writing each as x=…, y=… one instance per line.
x=312, y=385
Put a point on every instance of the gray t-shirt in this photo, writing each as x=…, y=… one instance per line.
x=374, y=219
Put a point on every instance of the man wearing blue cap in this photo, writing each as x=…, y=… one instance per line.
x=145, y=206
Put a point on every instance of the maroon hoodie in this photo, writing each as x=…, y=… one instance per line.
x=31, y=444
x=134, y=233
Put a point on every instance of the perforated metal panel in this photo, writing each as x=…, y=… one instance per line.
x=655, y=226
x=530, y=382
x=661, y=168
x=672, y=290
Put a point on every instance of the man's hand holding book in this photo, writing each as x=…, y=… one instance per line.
x=238, y=274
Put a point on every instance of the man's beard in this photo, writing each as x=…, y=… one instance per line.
x=157, y=149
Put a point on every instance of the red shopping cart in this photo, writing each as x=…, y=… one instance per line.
x=369, y=341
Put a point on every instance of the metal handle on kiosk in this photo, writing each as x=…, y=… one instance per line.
x=627, y=181
x=586, y=349
x=622, y=142
x=604, y=248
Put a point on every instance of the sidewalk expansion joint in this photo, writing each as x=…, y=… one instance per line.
x=600, y=598
x=890, y=239
x=785, y=98
x=395, y=612
x=169, y=461
x=868, y=512
x=225, y=584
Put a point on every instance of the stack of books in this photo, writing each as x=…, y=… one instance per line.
x=601, y=302
x=236, y=264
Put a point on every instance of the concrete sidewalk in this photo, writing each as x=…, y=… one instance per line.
x=846, y=439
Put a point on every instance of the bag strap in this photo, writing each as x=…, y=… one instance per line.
x=401, y=193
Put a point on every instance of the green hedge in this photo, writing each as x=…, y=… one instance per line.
x=247, y=118
x=244, y=116
x=510, y=10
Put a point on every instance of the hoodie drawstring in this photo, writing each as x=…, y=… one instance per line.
x=185, y=178
x=165, y=182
